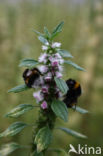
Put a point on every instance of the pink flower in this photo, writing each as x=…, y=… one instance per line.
x=45, y=89
x=55, y=63
x=61, y=61
x=60, y=68
x=51, y=58
x=43, y=69
x=38, y=96
x=58, y=56
x=44, y=47
x=48, y=76
x=58, y=74
x=43, y=58
x=56, y=45
x=44, y=105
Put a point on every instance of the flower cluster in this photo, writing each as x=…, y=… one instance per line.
x=51, y=67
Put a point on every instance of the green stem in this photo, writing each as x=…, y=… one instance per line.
x=46, y=117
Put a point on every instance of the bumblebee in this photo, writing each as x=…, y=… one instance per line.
x=32, y=78
x=73, y=93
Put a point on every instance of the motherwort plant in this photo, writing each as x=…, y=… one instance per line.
x=54, y=96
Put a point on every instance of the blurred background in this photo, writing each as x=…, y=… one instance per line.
x=82, y=35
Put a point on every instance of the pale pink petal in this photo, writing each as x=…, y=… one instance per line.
x=45, y=89
x=38, y=96
x=61, y=61
x=56, y=45
x=43, y=58
x=58, y=56
x=44, y=105
x=58, y=74
x=44, y=47
x=43, y=69
x=60, y=68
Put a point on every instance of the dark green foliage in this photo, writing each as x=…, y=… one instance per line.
x=43, y=138
x=60, y=109
x=61, y=85
x=18, y=89
x=30, y=63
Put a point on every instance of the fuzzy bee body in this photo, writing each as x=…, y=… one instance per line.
x=32, y=78
x=73, y=93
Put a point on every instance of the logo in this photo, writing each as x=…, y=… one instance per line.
x=85, y=149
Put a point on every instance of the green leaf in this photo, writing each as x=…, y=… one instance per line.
x=80, y=110
x=74, y=65
x=18, y=89
x=43, y=39
x=64, y=53
x=43, y=139
x=13, y=129
x=9, y=148
x=60, y=109
x=60, y=151
x=37, y=32
x=48, y=35
x=30, y=63
x=19, y=110
x=57, y=29
x=61, y=85
x=73, y=133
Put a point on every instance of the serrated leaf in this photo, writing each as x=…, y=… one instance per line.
x=61, y=85
x=9, y=148
x=73, y=133
x=43, y=139
x=47, y=33
x=60, y=109
x=19, y=110
x=43, y=39
x=30, y=63
x=57, y=29
x=18, y=89
x=80, y=110
x=60, y=151
x=13, y=129
x=65, y=53
x=74, y=65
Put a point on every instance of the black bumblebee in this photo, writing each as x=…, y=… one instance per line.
x=73, y=93
x=32, y=78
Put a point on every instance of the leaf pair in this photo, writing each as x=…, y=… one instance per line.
x=60, y=109
x=47, y=35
